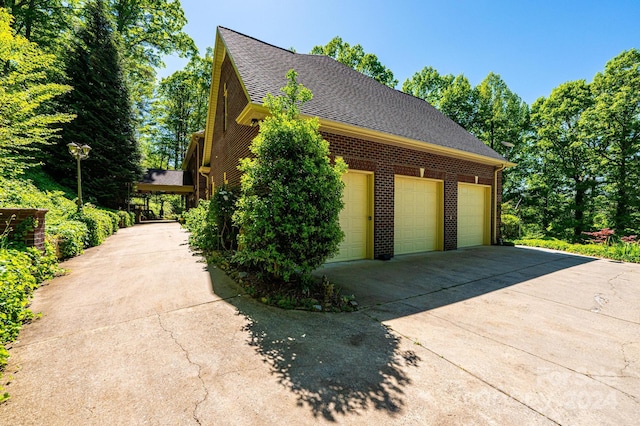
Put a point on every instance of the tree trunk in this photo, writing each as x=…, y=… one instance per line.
x=579, y=208
x=622, y=197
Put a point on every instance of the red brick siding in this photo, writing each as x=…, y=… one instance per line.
x=34, y=238
x=233, y=144
x=384, y=160
x=388, y=160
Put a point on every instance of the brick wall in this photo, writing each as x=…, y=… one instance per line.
x=33, y=238
x=388, y=160
x=231, y=144
x=384, y=160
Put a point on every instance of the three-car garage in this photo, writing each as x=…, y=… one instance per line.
x=418, y=215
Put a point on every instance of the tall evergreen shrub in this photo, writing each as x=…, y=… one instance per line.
x=292, y=194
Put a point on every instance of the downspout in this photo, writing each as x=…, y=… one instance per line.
x=201, y=173
x=206, y=179
x=495, y=202
x=197, y=197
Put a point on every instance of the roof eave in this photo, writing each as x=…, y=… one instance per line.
x=176, y=189
x=254, y=111
x=192, y=147
x=220, y=52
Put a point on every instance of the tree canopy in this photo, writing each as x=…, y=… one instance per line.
x=615, y=123
x=149, y=29
x=568, y=164
x=101, y=102
x=356, y=58
x=178, y=110
x=27, y=118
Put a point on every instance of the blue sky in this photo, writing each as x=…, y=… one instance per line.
x=533, y=45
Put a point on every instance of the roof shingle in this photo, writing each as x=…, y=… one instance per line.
x=344, y=95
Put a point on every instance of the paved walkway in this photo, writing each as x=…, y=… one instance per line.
x=140, y=332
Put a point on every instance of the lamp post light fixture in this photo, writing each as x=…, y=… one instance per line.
x=79, y=152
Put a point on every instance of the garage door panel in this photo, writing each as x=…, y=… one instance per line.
x=417, y=208
x=472, y=215
x=354, y=217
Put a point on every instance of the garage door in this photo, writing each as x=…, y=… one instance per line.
x=417, y=215
x=355, y=217
x=473, y=214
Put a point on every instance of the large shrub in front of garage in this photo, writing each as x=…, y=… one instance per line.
x=291, y=193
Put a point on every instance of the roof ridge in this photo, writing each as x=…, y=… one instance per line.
x=345, y=95
x=258, y=40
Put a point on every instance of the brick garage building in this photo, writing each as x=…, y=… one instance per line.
x=417, y=181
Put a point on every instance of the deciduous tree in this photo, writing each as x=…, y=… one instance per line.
x=450, y=94
x=25, y=121
x=356, y=58
x=562, y=141
x=149, y=29
x=179, y=110
x=615, y=123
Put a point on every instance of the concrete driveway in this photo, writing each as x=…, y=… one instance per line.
x=141, y=332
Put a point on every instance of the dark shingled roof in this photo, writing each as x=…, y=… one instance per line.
x=344, y=95
x=167, y=177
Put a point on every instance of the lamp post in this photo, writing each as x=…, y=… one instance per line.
x=80, y=152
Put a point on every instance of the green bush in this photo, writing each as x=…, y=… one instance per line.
x=71, y=236
x=115, y=220
x=200, y=223
x=100, y=224
x=125, y=219
x=510, y=226
x=221, y=211
x=44, y=266
x=16, y=285
x=291, y=193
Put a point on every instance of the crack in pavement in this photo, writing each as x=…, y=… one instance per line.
x=188, y=357
x=460, y=325
x=627, y=361
x=18, y=343
x=461, y=368
x=515, y=290
x=612, y=286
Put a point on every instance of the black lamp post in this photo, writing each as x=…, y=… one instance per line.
x=79, y=152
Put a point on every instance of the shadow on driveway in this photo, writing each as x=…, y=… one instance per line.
x=339, y=364
x=335, y=364
x=410, y=284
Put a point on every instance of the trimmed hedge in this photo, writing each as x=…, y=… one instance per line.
x=71, y=236
x=126, y=219
x=626, y=252
x=100, y=223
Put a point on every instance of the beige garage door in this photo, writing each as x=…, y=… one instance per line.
x=355, y=217
x=417, y=215
x=473, y=214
